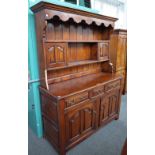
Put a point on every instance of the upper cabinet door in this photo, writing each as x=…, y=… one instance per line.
x=55, y=54
x=103, y=51
x=121, y=52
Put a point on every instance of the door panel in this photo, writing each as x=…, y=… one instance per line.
x=81, y=120
x=74, y=125
x=121, y=52
x=51, y=55
x=60, y=54
x=88, y=120
x=113, y=104
x=55, y=54
x=109, y=105
x=104, y=109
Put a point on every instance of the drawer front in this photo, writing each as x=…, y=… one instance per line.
x=96, y=91
x=70, y=101
x=112, y=85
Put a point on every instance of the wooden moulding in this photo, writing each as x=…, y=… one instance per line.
x=120, y=31
x=65, y=13
x=49, y=14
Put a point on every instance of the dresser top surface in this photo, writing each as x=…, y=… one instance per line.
x=77, y=85
x=86, y=12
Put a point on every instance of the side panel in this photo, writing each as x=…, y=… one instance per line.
x=121, y=52
x=50, y=119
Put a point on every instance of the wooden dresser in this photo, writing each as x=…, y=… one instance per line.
x=118, y=54
x=79, y=91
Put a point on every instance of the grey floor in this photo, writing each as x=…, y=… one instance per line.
x=106, y=141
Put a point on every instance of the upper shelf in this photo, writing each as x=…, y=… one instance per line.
x=65, y=13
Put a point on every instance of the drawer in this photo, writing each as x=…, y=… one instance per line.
x=96, y=91
x=70, y=101
x=112, y=85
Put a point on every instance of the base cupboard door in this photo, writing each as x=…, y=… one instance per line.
x=109, y=106
x=81, y=121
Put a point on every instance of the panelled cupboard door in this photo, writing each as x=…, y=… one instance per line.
x=81, y=121
x=109, y=105
x=103, y=51
x=55, y=54
x=121, y=52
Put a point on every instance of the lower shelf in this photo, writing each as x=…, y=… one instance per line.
x=77, y=63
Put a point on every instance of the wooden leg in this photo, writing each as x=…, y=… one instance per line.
x=116, y=118
x=62, y=152
x=124, y=92
x=61, y=116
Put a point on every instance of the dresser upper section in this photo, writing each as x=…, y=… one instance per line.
x=65, y=13
x=71, y=43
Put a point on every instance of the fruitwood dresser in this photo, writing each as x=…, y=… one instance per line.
x=79, y=91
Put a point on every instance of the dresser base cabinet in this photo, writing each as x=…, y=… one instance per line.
x=71, y=118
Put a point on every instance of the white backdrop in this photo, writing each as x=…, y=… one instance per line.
x=114, y=8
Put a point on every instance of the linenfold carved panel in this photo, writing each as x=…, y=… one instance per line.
x=77, y=18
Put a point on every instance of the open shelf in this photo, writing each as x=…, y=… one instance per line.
x=77, y=63
x=76, y=41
